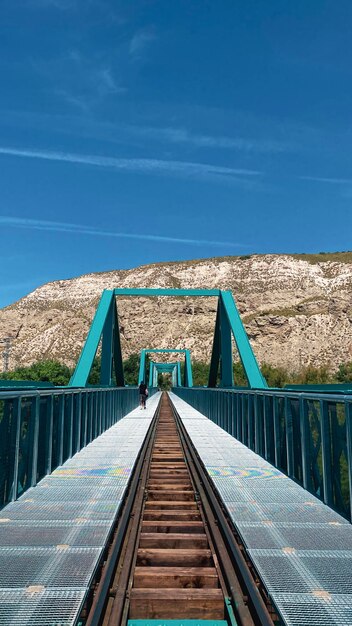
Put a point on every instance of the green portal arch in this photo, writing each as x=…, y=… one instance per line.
x=228, y=324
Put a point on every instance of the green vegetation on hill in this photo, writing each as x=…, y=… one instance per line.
x=58, y=374
x=313, y=258
x=323, y=257
x=45, y=371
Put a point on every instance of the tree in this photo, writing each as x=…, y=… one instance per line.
x=131, y=369
x=47, y=371
x=344, y=373
x=310, y=375
x=275, y=376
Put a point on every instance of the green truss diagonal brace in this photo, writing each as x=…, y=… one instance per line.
x=188, y=377
x=105, y=323
x=226, y=368
x=215, y=355
x=255, y=378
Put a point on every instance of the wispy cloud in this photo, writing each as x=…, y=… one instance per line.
x=108, y=82
x=132, y=135
x=63, y=5
x=331, y=181
x=80, y=229
x=183, y=136
x=80, y=80
x=146, y=166
x=140, y=42
x=73, y=100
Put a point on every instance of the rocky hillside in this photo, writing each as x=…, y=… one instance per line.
x=297, y=310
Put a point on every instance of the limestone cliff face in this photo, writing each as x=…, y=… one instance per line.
x=297, y=311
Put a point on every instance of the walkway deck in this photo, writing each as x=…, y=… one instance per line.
x=52, y=537
x=301, y=549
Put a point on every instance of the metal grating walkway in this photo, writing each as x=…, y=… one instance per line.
x=52, y=537
x=301, y=549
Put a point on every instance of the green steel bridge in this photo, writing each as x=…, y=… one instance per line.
x=283, y=455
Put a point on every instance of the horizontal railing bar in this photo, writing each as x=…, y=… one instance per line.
x=313, y=395
x=29, y=393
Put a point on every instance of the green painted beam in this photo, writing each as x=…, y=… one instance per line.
x=177, y=622
x=169, y=350
x=328, y=388
x=161, y=365
x=226, y=367
x=255, y=378
x=142, y=364
x=117, y=352
x=188, y=370
x=151, y=373
x=179, y=377
x=8, y=384
x=215, y=354
x=84, y=365
x=167, y=292
x=106, y=349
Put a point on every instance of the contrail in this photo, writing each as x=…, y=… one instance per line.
x=332, y=181
x=79, y=229
x=157, y=166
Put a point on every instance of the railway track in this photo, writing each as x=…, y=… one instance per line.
x=173, y=554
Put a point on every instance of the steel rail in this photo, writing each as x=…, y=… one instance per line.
x=242, y=586
x=96, y=612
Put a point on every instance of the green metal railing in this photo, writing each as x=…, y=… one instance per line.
x=41, y=428
x=306, y=435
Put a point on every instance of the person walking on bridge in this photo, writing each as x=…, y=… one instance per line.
x=143, y=393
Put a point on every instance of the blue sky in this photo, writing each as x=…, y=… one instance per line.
x=135, y=132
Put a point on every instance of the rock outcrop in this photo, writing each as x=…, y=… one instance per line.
x=296, y=310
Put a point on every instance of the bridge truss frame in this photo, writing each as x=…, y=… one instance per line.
x=228, y=324
x=188, y=376
x=165, y=368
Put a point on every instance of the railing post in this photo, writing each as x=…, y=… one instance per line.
x=326, y=453
x=78, y=417
x=251, y=422
x=33, y=441
x=232, y=413
x=258, y=423
x=348, y=416
x=239, y=416
x=90, y=416
x=244, y=421
x=84, y=419
x=70, y=426
x=17, y=424
x=94, y=415
x=267, y=424
x=304, y=431
x=227, y=411
x=289, y=437
x=49, y=434
x=228, y=427
x=276, y=421
x=100, y=411
x=60, y=430
x=103, y=411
